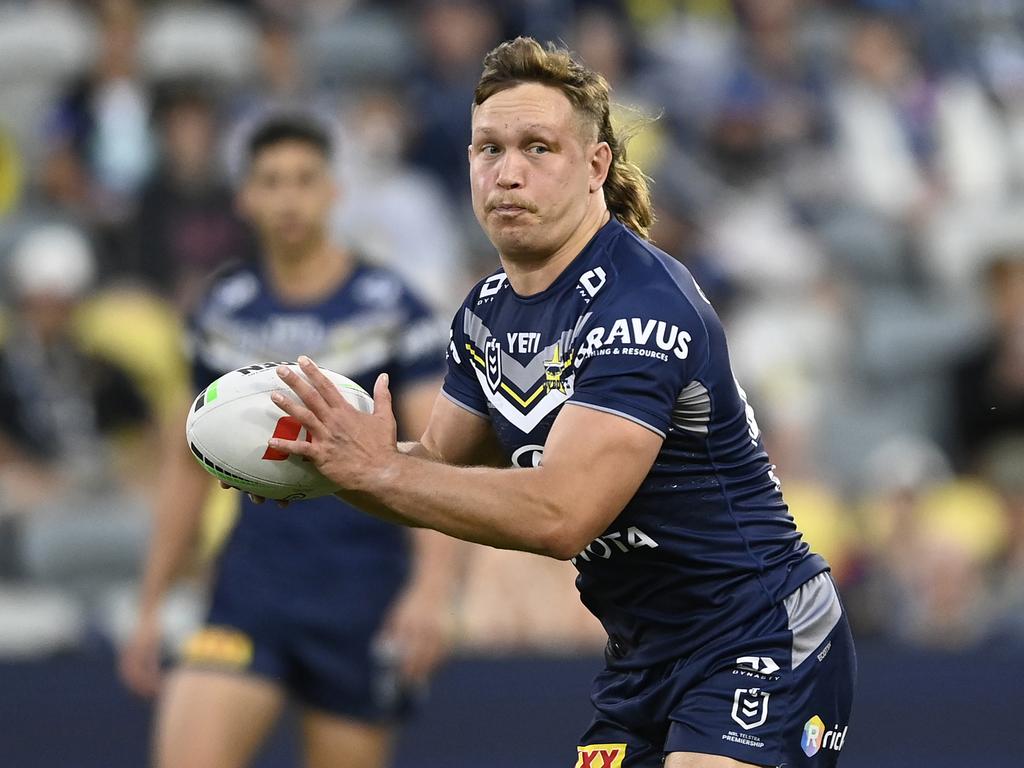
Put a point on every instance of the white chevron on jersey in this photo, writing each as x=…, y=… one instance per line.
x=524, y=422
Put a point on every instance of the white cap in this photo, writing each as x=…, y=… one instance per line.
x=52, y=260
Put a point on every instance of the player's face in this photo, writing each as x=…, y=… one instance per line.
x=531, y=170
x=288, y=195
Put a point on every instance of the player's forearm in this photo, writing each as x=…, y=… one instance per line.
x=437, y=560
x=504, y=508
x=183, y=490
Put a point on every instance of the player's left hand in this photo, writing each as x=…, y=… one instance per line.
x=346, y=446
x=417, y=630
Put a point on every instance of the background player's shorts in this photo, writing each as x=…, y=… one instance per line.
x=775, y=694
x=320, y=649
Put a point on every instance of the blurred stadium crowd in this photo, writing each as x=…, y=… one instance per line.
x=845, y=179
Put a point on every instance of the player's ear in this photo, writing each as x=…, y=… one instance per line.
x=600, y=162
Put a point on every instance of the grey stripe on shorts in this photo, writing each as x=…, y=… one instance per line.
x=814, y=610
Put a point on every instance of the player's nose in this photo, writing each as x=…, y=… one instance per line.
x=510, y=172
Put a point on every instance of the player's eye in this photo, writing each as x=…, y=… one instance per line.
x=538, y=149
x=489, y=149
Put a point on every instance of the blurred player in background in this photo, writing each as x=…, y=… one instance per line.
x=728, y=644
x=345, y=613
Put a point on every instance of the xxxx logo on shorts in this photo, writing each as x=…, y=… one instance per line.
x=219, y=645
x=601, y=756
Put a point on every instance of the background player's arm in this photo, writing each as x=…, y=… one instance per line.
x=183, y=488
x=593, y=464
x=418, y=624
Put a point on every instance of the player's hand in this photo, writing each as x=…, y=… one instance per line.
x=139, y=662
x=417, y=629
x=252, y=496
x=345, y=445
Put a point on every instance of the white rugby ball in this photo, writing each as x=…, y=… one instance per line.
x=230, y=422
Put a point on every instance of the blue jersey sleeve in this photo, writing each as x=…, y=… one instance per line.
x=419, y=350
x=201, y=374
x=461, y=384
x=636, y=360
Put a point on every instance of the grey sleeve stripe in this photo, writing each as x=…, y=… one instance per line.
x=814, y=610
x=465, y=407
x=627, y=416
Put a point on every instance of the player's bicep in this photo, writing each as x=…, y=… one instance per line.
x=456, y=435
x=596, y=461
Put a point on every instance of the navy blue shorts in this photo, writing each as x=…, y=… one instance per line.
x=775, y=694
x=319, y=647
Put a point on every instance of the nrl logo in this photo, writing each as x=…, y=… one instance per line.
x=492, y=358
x=750, y=707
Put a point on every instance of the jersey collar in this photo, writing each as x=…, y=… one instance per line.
x=583, y=261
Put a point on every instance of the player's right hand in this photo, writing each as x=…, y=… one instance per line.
x=139, y=663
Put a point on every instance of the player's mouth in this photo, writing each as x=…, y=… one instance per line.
x=510, y=209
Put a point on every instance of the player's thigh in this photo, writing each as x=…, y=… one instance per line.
x=330, y=741
x=211, y=719
x=696, y=760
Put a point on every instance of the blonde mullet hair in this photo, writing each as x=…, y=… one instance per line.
x=524, y=60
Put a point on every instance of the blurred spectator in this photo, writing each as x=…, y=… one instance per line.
x=391, y=212
x=100, y=148
x=794, y=85
x=76, y=443
x=59, y=403
x=186, y=223
x=908, y=141
x=606, y=43
x=455, y=35
x=989, y=384
x=931, y=539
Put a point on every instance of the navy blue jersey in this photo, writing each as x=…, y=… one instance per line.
x=707, y=543
x=372, y=323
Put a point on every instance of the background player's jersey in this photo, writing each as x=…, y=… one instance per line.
x=706, y=543
x=372, y=323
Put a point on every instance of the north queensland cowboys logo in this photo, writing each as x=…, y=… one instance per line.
x=492, y=359
x=750, y=707
x=553, y=370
